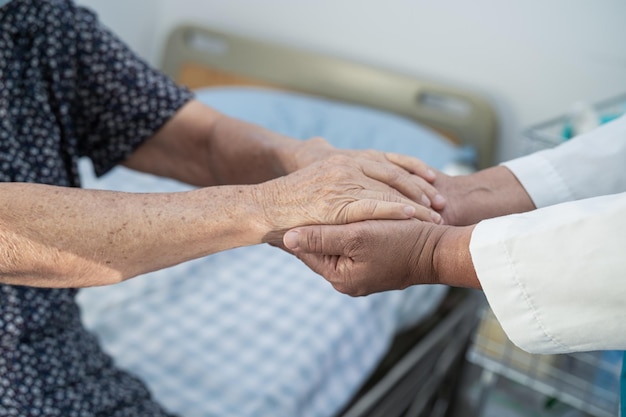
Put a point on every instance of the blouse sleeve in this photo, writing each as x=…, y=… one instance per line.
x=119, y=101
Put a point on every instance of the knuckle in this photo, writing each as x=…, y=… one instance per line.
x=355, y=242
x=356, y=211
x=339, y=159
x=397, y=175
x=392, y=196
x=318, y=140
x=314, y=239
x=371, y=206
x=343, y=213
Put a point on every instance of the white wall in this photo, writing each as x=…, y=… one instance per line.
x=131, y=20
x=531, y=58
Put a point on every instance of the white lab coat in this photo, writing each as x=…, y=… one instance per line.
x=556, y=277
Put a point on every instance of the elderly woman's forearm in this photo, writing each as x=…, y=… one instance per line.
x=65, y=237
x=203, y=147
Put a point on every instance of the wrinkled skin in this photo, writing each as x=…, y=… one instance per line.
x=410, y=176
x=370, y=256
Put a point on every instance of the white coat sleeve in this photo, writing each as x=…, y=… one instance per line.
x=556, y=277
x=588, y=165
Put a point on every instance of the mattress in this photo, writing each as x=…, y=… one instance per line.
x=252, y=331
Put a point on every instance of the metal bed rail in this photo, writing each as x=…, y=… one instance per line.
x=423, y=381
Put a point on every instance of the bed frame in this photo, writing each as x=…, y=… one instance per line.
x=200, y=57
x=421, y=374
x=421, y=370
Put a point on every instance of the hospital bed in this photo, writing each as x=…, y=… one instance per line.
x=252, y=331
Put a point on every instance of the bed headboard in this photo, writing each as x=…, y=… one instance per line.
x=200, y=57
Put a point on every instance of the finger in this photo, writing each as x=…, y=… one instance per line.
x=324, y=265
x=365, y=208
x=375, y=205
x=412, y=186
x=436, y=200
x=413, y=165
x=424, y=171
x=370, y=209
x=421, y=191
x=318, y=239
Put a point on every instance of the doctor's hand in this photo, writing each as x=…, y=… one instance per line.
x=489, y=193
x=372, y=256
x=410, y=176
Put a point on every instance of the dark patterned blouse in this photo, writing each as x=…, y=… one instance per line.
x=68, y=88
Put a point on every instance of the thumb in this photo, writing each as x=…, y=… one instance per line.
x=291, y=239
x=326, y=240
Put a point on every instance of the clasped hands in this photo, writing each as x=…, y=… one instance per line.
x=332, y=186
x=372, y=219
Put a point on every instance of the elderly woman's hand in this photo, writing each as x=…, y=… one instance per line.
x=336, y=190
x=410, y=176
